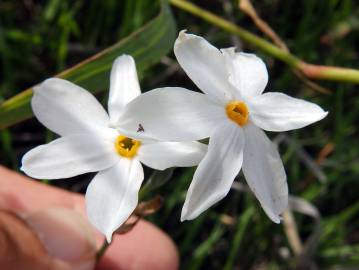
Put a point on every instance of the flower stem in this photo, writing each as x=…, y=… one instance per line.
x=311, y=71
x=102, y=250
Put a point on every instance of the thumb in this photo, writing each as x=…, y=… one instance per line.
x=58, y=239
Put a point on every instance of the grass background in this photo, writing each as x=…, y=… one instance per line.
x=41, y=38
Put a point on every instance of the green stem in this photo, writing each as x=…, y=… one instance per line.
x=311, y=71
x=102, y=250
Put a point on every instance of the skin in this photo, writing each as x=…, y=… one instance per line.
x=34, y=216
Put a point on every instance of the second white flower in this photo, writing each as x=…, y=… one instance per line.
x=232, y=112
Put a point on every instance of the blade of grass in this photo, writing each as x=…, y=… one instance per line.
x=192, y=232
x=7, y=147
x=242, y=225
x=147, y=45
x=205, y=247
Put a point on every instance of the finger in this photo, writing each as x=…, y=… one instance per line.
x=66, y=235
x=21, y=193
x=12, y=247
x=145, y=245
x=21, y=248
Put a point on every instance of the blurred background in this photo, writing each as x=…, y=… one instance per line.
x=39, y=39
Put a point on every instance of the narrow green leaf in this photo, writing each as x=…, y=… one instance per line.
x=242, y=226
x=147, y=45
x=156, y=180
x=203, y=250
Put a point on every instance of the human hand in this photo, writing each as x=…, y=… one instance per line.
x=42, y=227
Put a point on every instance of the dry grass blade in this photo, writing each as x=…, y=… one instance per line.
x=321, y=158
x=247, y=7
x=325, y=152
x=303, y=251
x=291, y=230
x=311, y=71
x=149, y=207
x=307, y=160
x=304, y=207
x=143, y=209
x=128, y=226
x=311, y=84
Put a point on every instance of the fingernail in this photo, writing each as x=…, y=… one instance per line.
x=66, y=235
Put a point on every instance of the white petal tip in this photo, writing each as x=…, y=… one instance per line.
x=277, y=220
x=47, y=81
x=109, y=238
x=25, y=171
x=274, y=217
x=39, y=87
x=124, y=57
x=182, y=37
x=324, y=115
x=35, y=89
x=50, y=83
x=182, y=34
x=320, y=116
x=185, y=215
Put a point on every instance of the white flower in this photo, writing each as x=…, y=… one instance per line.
x=89, y=143
x=232, y=113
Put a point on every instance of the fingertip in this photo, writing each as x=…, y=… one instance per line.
x=67, y=237
x=145, y=247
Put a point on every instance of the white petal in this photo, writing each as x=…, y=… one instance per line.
x=279, y=112
x=205, y=65
x=163, y=155
x=216, y=172
x=124, y=85
x=66, y=108
x=264, y=172
x=248, y=73
x=69, y=156
x=112, y=195
x=172, y=114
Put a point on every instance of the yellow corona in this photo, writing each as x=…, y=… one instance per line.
x=238, y=112
x=126, y=147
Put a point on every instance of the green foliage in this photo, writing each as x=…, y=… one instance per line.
x=40, y=40
x=146, y=45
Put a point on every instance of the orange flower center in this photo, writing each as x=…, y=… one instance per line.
x=126, y=146
x=238, y=112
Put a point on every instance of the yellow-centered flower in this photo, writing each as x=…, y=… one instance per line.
x=90, y=143
x=232, y=113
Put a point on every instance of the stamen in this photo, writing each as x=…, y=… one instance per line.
x=238, y=112
x=126, y=146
